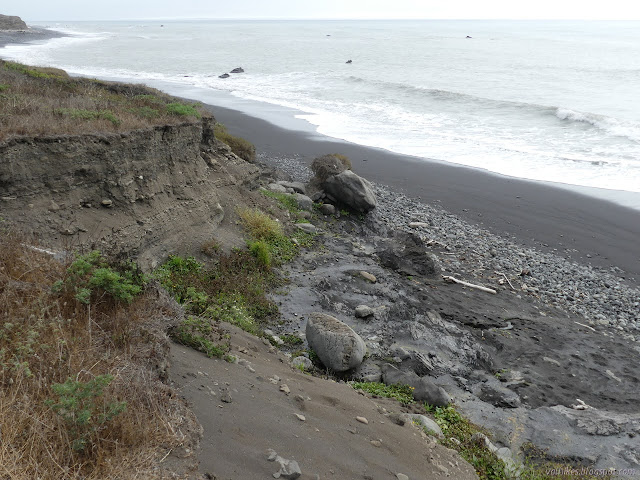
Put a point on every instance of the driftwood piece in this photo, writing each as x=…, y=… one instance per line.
x=506, y=278
x=449, y=278
x=586, y=326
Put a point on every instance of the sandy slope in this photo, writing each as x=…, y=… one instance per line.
x=329, y=443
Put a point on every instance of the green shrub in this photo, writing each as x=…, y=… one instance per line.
x=232, y=308
x=90, y=273
x=259, y=225
x=176, y=108
x=291, y=340
x=241, y=147
x=458, y=432
x=83, y=408
x=260, y=250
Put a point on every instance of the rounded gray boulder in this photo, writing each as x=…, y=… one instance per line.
x=338, y=347
x=351, y=190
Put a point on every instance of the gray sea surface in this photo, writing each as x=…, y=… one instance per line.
x=543, y=100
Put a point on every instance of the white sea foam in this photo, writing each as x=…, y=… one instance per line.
x=613, y=126
x=413, y=88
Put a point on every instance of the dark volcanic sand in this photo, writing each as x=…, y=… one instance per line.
x=536, y=213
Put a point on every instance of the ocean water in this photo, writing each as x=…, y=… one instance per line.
x=553, y=101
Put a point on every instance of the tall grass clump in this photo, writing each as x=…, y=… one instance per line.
x=262, y=228
x=233, y=289
x=241, y=147
x=77, y=398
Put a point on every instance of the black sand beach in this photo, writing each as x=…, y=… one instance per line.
x=584, y=228
x=552, y=219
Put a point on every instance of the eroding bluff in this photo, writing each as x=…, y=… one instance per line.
x=142, y=194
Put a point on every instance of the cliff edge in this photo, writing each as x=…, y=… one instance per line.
x=12, y=22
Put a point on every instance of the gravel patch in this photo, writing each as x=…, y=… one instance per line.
x=601, y=296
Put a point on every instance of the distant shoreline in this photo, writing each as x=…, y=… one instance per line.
x=34, y=34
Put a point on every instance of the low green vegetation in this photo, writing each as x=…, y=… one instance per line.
x=84, y=409
x=75, y=345
x=233, y=290
x=46, y=101
x=262, y=228
x=466, y=438
x=402, y=393
x=90, y=275
x=241, y=147
x=291, y=340
x=76, y=113
x=459, y=435
x=200, y=334
x=287, y=201
x=182, y=109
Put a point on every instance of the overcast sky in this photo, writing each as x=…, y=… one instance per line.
x=43, y=10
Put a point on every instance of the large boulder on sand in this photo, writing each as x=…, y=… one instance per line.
x=406, y=253
x=424, y=389
x=338, y=347
x=351, y=190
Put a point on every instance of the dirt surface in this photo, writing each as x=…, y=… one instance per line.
x=245, y=412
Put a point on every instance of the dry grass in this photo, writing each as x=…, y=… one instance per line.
x=44, y=101
x=47, y=338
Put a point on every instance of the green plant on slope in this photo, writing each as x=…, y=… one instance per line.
x=81, y=114
x=83, y=408
x=263, y=228
x=459, y=435
x=260, y=250
x=199, y=333
x=241, y=147
x=402, y=393
x=90, y=273
x=182, y=109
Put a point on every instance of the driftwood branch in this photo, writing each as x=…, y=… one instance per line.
x=448, y=278
x=506, y=278
x=586, y=326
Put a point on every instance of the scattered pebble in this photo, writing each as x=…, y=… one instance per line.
x=362, y=420
x=302, y=418
x=368, y=276
x=599, y=294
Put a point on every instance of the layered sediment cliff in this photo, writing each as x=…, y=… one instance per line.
x=145, y=193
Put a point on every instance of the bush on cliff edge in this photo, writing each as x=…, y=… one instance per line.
x=241, y=147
